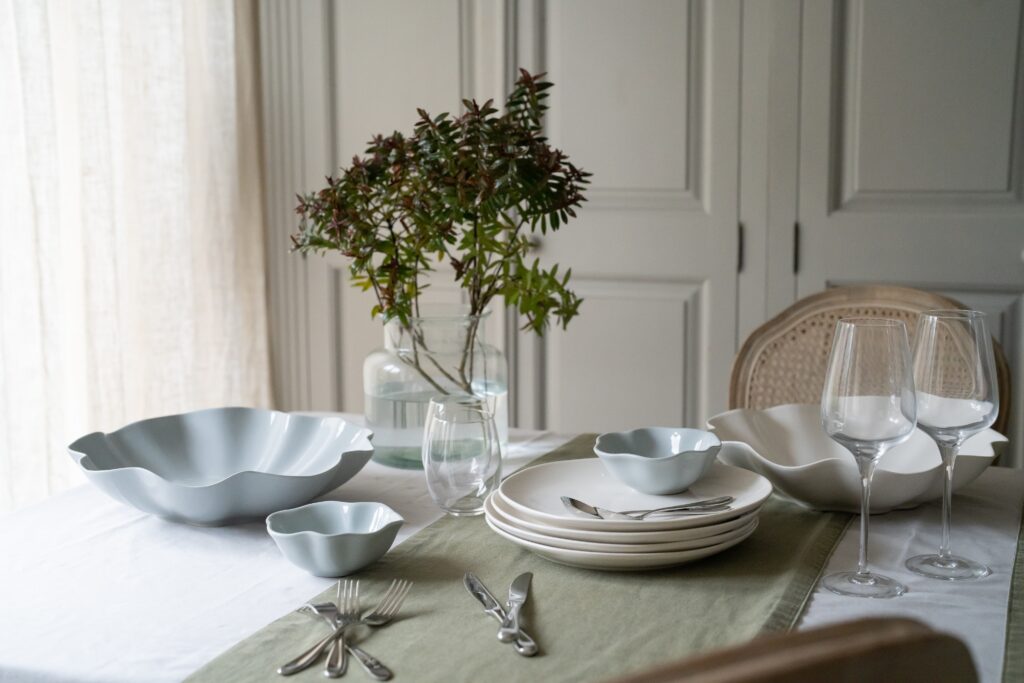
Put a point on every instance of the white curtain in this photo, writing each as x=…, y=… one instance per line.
x=131, y=237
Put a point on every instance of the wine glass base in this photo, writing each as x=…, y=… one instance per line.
x=950, y=568
x=866, y=585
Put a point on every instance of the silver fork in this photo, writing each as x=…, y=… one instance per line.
x=384, y=612
x=312, y=654
x=387, y=608
x=373, y=666
x=347, y=614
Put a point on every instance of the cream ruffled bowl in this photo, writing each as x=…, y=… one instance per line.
x=787, y=445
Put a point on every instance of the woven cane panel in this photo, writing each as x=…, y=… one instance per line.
x=954, y=377
x=784, y=360
x=790, y=366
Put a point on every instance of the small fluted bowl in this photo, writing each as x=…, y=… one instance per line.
x=658, y=460
x=224, y=465
x=787, y=445
x=331, y=538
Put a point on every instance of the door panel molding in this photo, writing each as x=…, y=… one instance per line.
x=298, y=134
x=886, y=195
x=682, y=193
x=616, y=356
x=851, y=190
x=648, y=230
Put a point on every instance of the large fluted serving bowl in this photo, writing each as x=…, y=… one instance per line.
x=223, y=465
x=787, y=445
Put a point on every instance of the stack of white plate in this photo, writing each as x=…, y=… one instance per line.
x=527, y=510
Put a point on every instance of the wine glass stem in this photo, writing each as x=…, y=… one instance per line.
x=867, y=468
x=948, y=453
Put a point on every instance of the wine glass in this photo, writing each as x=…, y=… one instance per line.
x=461, y=454
x=957, y=397
x=868, y=406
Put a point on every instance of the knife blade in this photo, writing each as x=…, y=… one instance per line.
x=523, y=644
x=517, y=594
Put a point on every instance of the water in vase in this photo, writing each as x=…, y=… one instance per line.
x=397, y=416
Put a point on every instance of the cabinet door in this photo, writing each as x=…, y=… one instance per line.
x=910, y=166
x=646, y=97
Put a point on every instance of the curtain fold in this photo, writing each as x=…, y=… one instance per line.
x=132, y=276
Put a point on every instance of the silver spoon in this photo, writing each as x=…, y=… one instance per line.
x=695, y=508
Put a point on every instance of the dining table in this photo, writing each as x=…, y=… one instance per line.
x=94, y=590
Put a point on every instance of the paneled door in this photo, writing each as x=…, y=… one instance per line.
x=646, y=97
x=911, y=153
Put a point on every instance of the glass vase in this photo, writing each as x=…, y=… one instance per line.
x=441, y=353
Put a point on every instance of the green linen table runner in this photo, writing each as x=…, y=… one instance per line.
x=1013, y=655
x=590, y=625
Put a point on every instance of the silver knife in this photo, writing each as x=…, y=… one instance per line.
x=523, y=644
x=517, y=593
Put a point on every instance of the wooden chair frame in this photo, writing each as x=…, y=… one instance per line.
x=871, y=649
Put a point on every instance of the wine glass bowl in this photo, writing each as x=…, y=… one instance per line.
x=868, y=405
x=957, y=397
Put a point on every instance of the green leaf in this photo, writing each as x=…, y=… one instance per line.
x=466, y=189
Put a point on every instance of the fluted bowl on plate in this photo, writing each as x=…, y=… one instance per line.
x=223, y=465
x=787, y=445
x=658, y=460
x=331, y=538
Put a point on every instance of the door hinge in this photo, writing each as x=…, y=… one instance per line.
x=796, y=248
x=740, y=249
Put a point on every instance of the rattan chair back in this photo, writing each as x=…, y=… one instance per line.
x=784, y=360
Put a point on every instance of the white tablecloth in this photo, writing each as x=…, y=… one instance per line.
x=92, y=590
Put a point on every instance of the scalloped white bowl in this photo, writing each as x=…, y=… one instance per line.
x=658, y=460
x=223, y=465
x=330, y=538
x=787, y=445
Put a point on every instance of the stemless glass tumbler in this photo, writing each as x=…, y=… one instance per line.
x=957, y=397
x=461, y=454
x=868, y=405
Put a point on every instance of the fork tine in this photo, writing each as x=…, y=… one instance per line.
x=337, y=596
x=400, y=599
x=389, y=599
x=354, y=611
x=388, y=594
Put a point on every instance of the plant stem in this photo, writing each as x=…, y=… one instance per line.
x=417, y=338
x=416, y=364
x=467, y=352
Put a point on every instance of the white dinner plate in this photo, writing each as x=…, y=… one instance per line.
x=535, y=494
x=495, y=504
x=618, y=561
x=496, y=519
